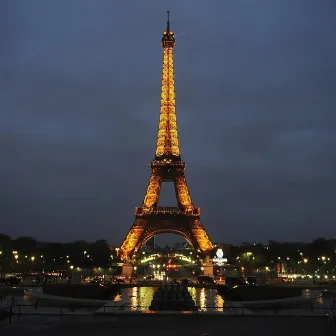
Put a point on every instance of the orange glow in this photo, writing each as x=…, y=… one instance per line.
x=153, y=192
x=167, y=167
x=182, y=193
x=167, y=143
x=201, y=237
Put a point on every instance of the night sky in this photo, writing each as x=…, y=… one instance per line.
x=256, y=108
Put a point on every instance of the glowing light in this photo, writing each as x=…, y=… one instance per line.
x=148, y=259
x=219, y=253
x=153, y=191
x=167, y=143
x=219, y=302
x=167, y=159
x=202, y=300
x=183, y=193
x=134, y=298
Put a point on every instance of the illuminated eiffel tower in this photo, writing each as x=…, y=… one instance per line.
x=184, y=219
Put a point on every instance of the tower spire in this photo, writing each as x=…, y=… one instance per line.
x=168, y=25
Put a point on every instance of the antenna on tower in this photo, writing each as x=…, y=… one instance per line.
x=168, y=27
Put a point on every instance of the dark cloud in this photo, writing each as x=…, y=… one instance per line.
x=79, y=95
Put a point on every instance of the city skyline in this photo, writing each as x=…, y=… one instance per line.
x=80, y=105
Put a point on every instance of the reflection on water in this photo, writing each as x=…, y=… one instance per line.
x=140, y=298
x=137, y=298
x=206, y=299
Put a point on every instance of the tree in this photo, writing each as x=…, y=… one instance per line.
x=101, y=253
x=26, y=245
x=251, y=261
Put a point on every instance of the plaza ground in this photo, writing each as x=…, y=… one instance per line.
x=172, y=325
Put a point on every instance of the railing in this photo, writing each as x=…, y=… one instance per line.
x=34, y=309
x=174, y=211
x=17, y=315
x=167, y=211
x=159, y=211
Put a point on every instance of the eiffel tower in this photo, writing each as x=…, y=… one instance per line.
x=183, y=220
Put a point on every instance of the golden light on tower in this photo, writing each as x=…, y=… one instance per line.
x=167, y=166
x=167, y=143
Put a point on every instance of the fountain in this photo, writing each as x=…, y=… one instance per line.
x=172, y=297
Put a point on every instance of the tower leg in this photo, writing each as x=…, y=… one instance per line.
x=127, y=270
x=208, y=270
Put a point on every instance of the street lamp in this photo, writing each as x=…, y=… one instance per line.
x=32, y=258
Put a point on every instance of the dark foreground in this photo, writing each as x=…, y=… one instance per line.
x=186, y=325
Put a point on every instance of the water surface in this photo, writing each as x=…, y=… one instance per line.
x=140, y=298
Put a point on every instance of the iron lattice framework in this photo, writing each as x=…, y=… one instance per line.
x=167, y=166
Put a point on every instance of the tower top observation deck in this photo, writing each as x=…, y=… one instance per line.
x=168, y=38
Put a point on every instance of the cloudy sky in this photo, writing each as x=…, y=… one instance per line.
x=256, y=104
